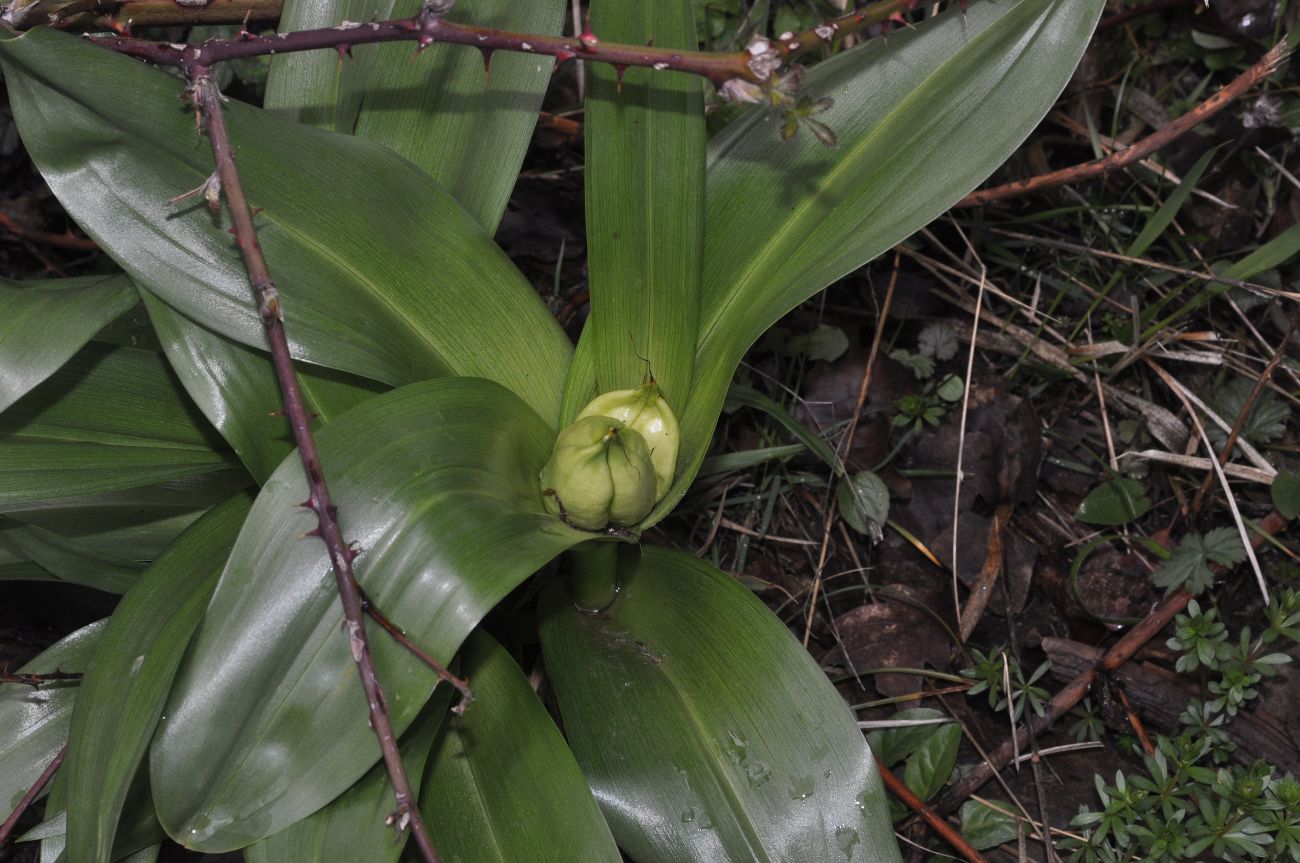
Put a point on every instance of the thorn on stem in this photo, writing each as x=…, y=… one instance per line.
x=587, y=38
x=487, y=62
x=210, y=189
x=619, y=69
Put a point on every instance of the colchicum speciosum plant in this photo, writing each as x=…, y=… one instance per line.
x=317, y=397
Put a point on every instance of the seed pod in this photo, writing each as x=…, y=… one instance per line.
x=599, y=474
x=644, y=410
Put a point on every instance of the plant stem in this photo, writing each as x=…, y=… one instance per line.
x=207, y=98
x=593, y=575
x=30, y=797
x=757, y=64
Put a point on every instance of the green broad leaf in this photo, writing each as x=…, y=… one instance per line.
x=930, y=765
x=437, y=483
x=468, y=127
x=864, y=502
x=1188, y=565
x=1286, y=493
x=705, y=729
x=502, y=784
x=354, y=827
x=1116, y=501
x=985, y=827
x=645, y=152
x=138, y=829
x=823, y=342
x=67, y=559
x=381, y=273
x=109, y=419
x=134, y=524
x=921, y=121
x=892, y=745
x=46, y=322
x=34, y=722
x=127, y=680
x=1266, y=421
x=322, y=88
x=236, y=388
x=951, y=389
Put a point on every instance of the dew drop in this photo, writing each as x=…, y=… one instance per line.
x=737, y=748
x=846, y=839
x=688, y=816
x=802, y=787
x=757, y=773
x=705, y=822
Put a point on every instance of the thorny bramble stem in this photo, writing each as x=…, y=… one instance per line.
x=399, y=635
x=30, y=797
x=757, y=64
x=207, y=100
x=36, y=681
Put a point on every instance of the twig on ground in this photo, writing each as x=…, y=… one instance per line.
x=982, y=591
x=1074, y=692
x=1246, y=409
x=1186, y=397
x=61, y=241
x=945, y=830
x=1235, y=89
x=1120, y=18
x=30, y=797
x=207, y=100
x=846, y=446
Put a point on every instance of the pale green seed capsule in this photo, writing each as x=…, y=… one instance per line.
x=644, y=410
x=599, y=474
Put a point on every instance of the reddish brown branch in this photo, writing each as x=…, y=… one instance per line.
x=945, y=830
x=1074, y=692
x=62, y=241
x=757, y=64
x=94, y=14
x=399, y=635
x=1247, y=408
x=1267, y=65
x=207, y=99
x=35, y=681
x=30, y=797
x=1142, y=11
